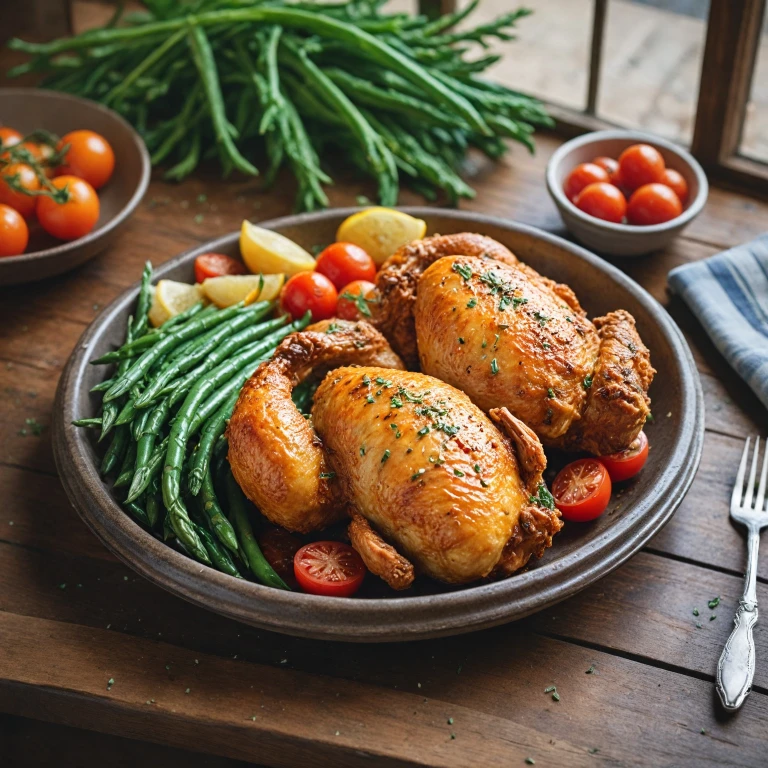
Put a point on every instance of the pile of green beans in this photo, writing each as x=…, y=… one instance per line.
x=166, y=407
x=243, y=81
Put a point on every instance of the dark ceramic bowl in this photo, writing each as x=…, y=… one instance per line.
x=582, y=553
x=27, y=109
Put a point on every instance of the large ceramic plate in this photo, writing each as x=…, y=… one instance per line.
x=581, y=553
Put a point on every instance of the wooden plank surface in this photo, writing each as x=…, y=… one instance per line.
x=72, y=617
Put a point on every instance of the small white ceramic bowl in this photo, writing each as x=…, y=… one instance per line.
x=623, y=239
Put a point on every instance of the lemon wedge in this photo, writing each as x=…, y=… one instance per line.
x=227, y=290
x=381, y=231
x=270, y=253
x=170, y=299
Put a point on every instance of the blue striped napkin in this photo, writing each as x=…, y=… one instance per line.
x=729, y=294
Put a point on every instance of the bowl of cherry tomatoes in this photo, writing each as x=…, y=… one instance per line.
x=71, y=173
x=625, y=193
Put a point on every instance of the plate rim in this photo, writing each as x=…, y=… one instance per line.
x=379, y=619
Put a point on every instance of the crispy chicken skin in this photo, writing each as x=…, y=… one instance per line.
x=275, y=455
x=430, y=477
x=579, y=385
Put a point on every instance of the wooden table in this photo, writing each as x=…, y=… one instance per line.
x=633, y=669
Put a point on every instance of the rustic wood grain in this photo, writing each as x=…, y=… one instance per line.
x=59, y=645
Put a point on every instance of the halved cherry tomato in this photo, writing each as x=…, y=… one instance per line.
x=582, y=490
x=627, y=463
x=676, y=183
x=603, y=201
x=9, y=136
x=352, y=303
x=76, y=217
x=640, y=164
x=582, y=176
x=329, y=568
x=25, y=176
x=14, y=233
x=215, y=265
x=89, y=156
x=653, y=204
x=279, y=548
x=342, y=263
x=609, y=165
x=309, y=291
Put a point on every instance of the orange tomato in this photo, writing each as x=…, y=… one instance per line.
x=14, y=233
x=89, y=157
x=582, y=176
x=653, y=204
x=676, y=183
x=76, y=217
x=25, y=177
x=640, y=164
x=603, y=201
x=9, y=136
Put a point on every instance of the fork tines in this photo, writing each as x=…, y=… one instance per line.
x=743, y=494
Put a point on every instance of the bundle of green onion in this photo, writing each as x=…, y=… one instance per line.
x=293, y=83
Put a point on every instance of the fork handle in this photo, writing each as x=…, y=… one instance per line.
x=736, y=667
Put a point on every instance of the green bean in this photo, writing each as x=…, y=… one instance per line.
x=212, y=430
x=136, y=372
x=139, y=345
x=103, y=385
x=145, y=448
x=153, y=468
x=154, y=508
x=143, y=303
x=88, y=423
x=206, y=343
x=137, y=512
x=114, y=455
x=220, y=558
x=109, y=411
x=138, y=424
x=126, y=468
x=258, y=564
x=217, y=519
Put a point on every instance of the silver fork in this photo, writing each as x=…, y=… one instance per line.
x=736, y=667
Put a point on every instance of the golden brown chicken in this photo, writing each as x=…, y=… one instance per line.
x=427, y=478
x=466, y=310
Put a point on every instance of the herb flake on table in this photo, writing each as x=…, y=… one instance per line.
x=714, y=602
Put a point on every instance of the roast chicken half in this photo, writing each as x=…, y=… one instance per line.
x=431, y=483
x=467, y=311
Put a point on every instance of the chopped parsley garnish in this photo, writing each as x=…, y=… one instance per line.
x=386, y=383
x=411, y=398
x=359, y=301
x=417, y=475
x=568, y=320
x=397, y=431
x=423, y=431
x=543, y=319
x=110, y=683
x=649, y=418
x=370, y=399
x=553, y=690
x=477, y=468
x=327, y=475
x=587, y=383
x=385, y=455
x=362, y=450
x=396, y=402
x=714, y=602
x=436, y=461
x=463, y=270
x=543, y=497
x=458, y=473
x=430, y=410
x=545, y=344
x=695, y=611
x=591, y=670
x=631, y=347
x=461, y=340
x=449, y=429
x=484, y=344
x=712, y=617
x=472, y=303
x=494, y=366
x=550, y=393
x=366, y=379
x=332, y=328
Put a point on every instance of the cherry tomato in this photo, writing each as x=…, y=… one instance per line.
x=279, y=548
x=89, y=156
x=342, y=263
x=14, y=233
x=609, y=165
x=653, y=204
x=676, y=183
x=627, y=463
x=9, y=136
x=309, y=291
x=352, y=303
x=76, y=217
x=640, y=164
x=582, y=176
x=26, y=178
x=215, y=265
x=582, y=490
x=329, y=568
x=603, y=201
